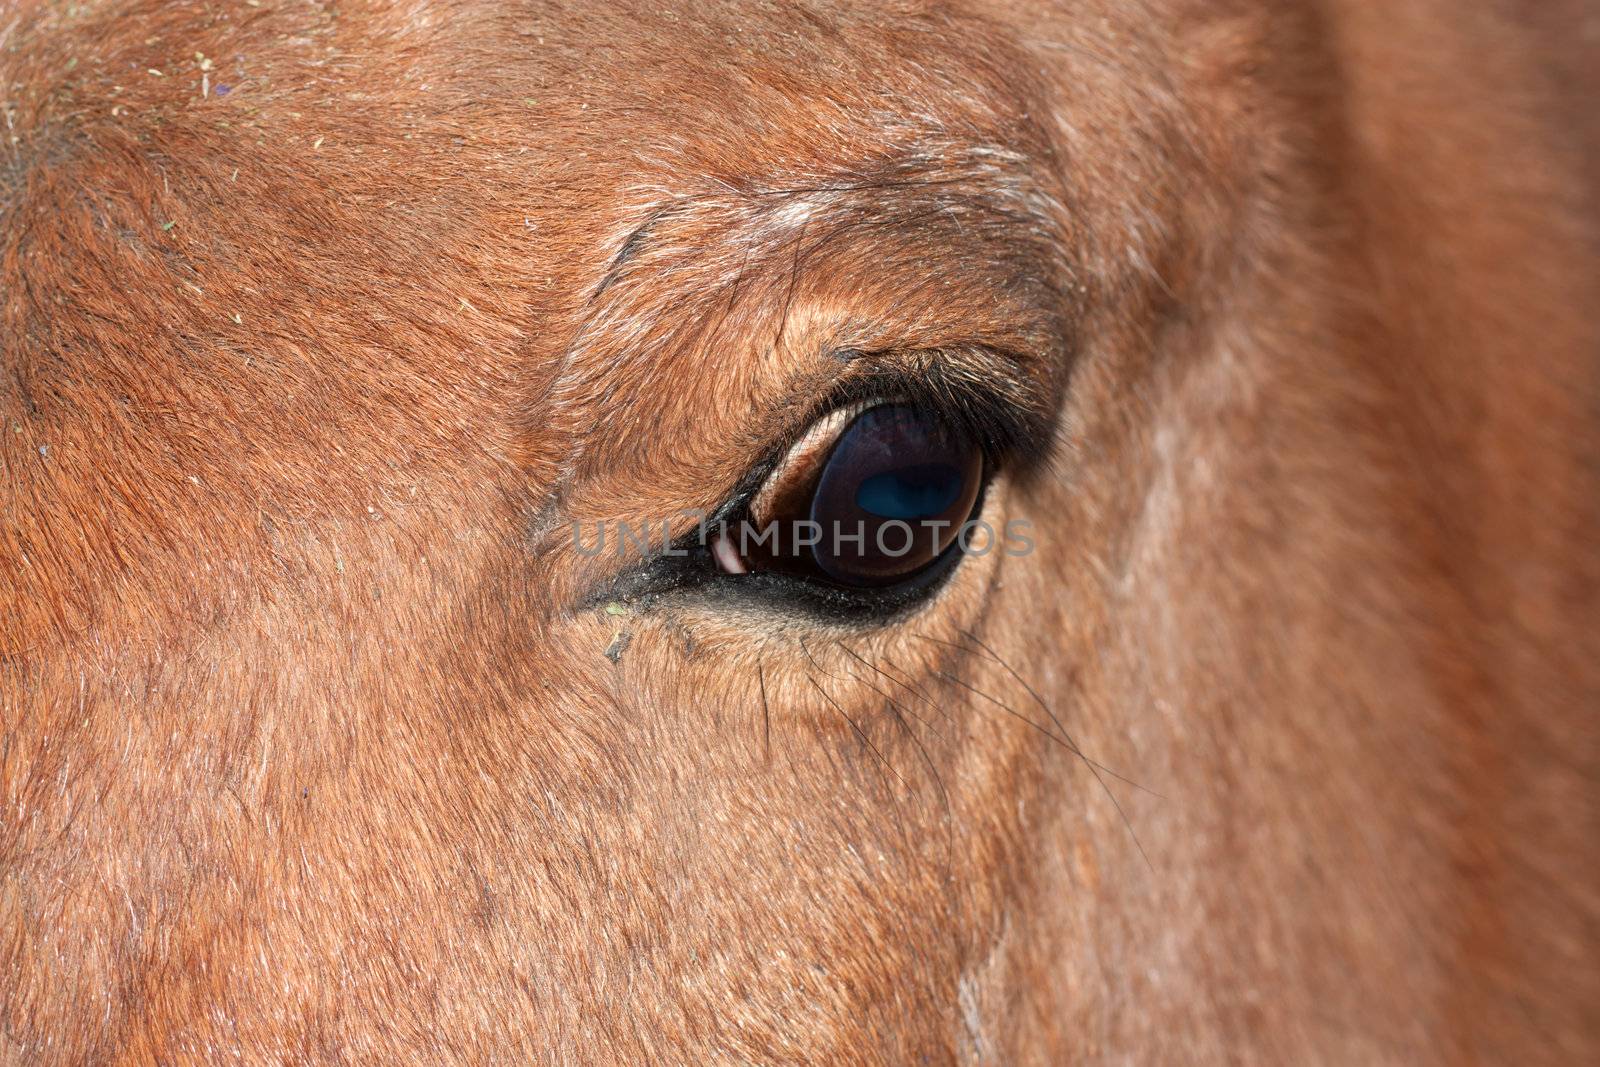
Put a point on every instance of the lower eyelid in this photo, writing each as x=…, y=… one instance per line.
x=697, y=576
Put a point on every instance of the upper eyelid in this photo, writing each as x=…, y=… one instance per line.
x=958, y=383
x=833, y=423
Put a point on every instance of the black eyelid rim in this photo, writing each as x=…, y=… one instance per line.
x=690, y=568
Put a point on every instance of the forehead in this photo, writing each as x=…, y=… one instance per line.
x=317, y=260
x=720, y=201
x=505, y=152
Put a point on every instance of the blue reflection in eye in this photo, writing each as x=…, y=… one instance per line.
x=910, y=492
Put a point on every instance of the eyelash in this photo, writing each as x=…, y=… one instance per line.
x=1005, y=420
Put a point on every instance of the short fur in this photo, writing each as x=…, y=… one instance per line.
x=320, y=323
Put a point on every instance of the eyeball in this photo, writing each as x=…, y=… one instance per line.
x=869, y=498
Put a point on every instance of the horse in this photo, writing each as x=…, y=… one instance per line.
x=875, y=533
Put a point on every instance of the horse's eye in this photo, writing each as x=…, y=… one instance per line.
x=883, y=506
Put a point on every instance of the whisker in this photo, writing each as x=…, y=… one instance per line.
x=870, y=666
x=859, y=732
x=794, y=282
x=853, y=724
x=899, y=713
x=766, y=710
x=900, y=673
x=1094, y=769
x=1064, y=742
x=1008, y=709
x=1065, y=737
x=922, y=750
x=970, y=636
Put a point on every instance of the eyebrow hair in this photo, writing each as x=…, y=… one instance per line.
x=897, y=175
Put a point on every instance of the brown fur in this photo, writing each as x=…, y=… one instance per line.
x=310, y=749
